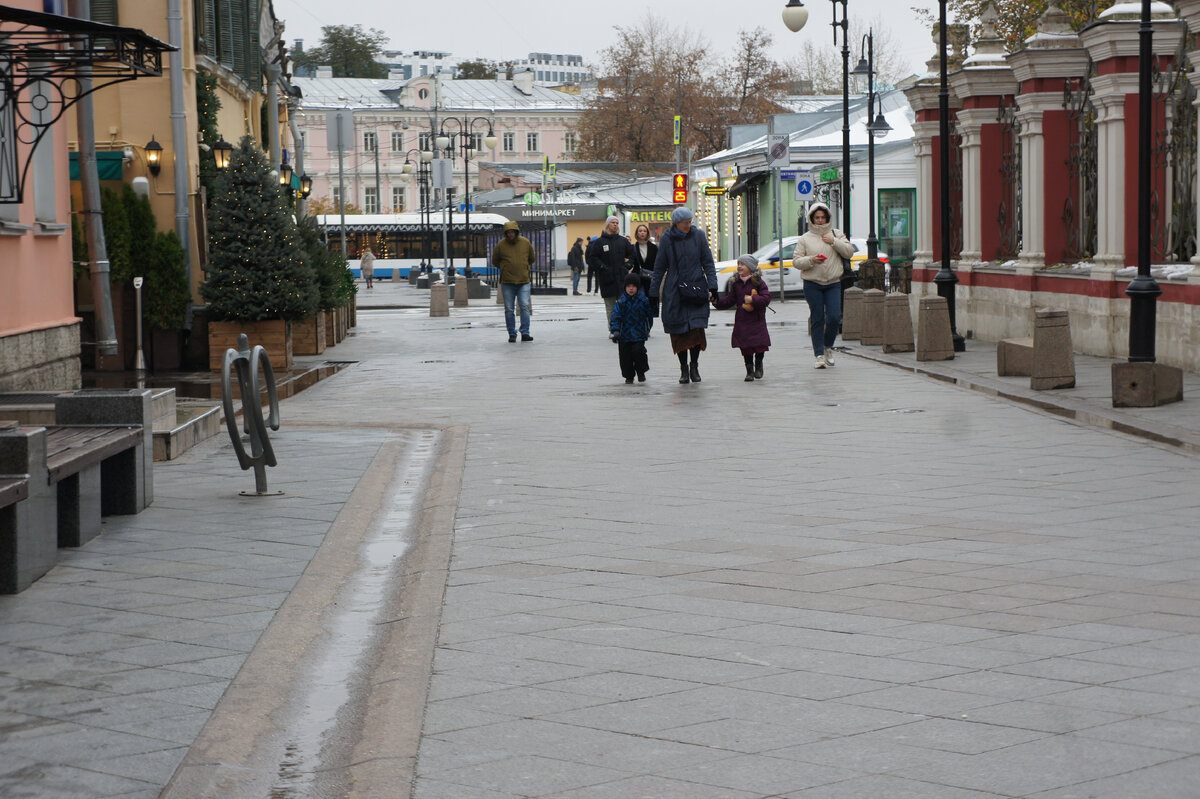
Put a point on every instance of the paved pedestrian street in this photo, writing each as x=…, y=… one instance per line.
x=498, y=572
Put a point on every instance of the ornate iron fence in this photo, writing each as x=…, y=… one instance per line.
x=1079, y=208
x=956, y=192
x=1173, y=216
x=1009, y=217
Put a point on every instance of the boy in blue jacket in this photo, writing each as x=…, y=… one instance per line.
x=630, y=327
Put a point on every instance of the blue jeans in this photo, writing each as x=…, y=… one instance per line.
x=824, y=314
x=516, y=293
x=575, y=280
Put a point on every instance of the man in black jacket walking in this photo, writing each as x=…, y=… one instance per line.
x=575, y=261
x=609, y=254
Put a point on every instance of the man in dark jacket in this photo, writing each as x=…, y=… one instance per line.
x=575, y=261
x=609, y=254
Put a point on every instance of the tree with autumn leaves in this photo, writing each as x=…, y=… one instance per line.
x=1018, y=18
x=654, y=72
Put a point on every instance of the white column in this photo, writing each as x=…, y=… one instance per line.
x=970, y=125
x=1033, y=180
x=1112, y=203
x=923, y=133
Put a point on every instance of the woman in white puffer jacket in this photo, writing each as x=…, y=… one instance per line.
x=819, y=256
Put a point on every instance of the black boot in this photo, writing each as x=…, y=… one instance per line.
x=758, y=365
x=684, y=377
x=694, y=371
x=749, y=368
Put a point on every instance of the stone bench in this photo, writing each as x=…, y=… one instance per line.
x=1014, y=357
x=95, y=470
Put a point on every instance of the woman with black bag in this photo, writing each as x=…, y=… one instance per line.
x=685, y=282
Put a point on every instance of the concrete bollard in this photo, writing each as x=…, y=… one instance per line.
x=934, y=342
x=897, y=324
x=1053, y=361
x=852, y=314
x=439, y=300
x=461, y=294
x=872, y=317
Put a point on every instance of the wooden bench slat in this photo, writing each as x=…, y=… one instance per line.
x=13, y=490
x=70, y=450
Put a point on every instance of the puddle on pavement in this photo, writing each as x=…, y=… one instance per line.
x=339, y=678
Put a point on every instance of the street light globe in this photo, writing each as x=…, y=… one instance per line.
x=427, y=156
x=490, y=141
x=795, y=15
x=443, y=141
x=407, y=168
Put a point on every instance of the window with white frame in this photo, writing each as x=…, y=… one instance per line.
x=531, y=142
x=397, y=141
x=370, y=141
x=336, y=193
x=425, y=141
x=509, y=142
x=370, y=200
x=398, y=199
x=570, y=141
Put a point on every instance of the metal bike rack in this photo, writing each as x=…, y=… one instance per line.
x=247, y=363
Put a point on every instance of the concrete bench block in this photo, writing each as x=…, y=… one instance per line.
x=897, y=324
x=128, y=478
x=477, y=289
x=1053, y=360
x=79, y=507
x=934, y=340
x=423, y=281
x=872, y=317
x=1014, y=357
x=1145, y=385
x=439, y=300
x=28, y=534
x=852, y=314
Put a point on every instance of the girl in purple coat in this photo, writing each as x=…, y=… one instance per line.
x=749, y=293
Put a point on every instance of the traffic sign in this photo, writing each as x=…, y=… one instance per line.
x=715, y=191
x=778, y=150
x=804, y=186
x=676, y=131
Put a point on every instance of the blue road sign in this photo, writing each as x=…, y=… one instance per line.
x=804, y=187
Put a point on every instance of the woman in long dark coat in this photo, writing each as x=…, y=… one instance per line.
x=684, y=258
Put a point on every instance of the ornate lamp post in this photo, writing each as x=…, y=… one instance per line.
x=1143, y=290
x=424, y=158
x=875, y=127
x=795, y=15
x=945, y=279
x=466, y=138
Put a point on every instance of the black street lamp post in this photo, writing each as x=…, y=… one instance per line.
x=1143, y=290
x=794, y=16
x=422, y=170
x=945, y=279
x=875, y=127
x=466, y=137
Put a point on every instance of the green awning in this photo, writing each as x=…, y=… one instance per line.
x=109, y=165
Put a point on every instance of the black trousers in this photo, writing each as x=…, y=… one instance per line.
x=633, y=358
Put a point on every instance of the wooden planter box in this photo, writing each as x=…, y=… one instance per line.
x=340, y=315
x=308, y=335
x=275, y=335
x=353, y=310
x=330, y=327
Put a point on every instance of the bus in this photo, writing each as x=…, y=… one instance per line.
x=403, y=242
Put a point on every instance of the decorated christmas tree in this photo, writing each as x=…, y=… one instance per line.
x=257, y=267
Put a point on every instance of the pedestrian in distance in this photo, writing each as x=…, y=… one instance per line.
x=645, y=252
x=820, y=254
x=367, y=265
x=610, y=253
x=575, y=261
x=629, y=326
x=593, y=278
x=512, y=256
x=685, y=281
x=749, y=296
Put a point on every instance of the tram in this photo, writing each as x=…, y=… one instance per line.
x=403, y=242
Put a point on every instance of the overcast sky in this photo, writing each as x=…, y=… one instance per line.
x=513, y=28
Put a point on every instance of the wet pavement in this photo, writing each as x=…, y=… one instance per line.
x=496, y=570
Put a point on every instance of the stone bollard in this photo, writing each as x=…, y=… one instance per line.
x=934, y=342
x=1053, y=361
x=461, y=294
x=413, y=274
x=872, y=317
x=439, y=300
x=422, y=281
x=852, y=314
x=477, y=289
x=897, y=324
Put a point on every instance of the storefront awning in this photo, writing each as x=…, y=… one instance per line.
x=747, y=182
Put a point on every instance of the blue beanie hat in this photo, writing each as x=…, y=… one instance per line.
x=681, y=213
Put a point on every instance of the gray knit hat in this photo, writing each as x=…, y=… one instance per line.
x=681, y=213
x=750, y=262
x=612, y=219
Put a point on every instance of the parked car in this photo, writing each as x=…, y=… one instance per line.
x=768, y=261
